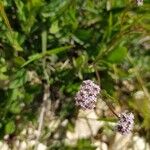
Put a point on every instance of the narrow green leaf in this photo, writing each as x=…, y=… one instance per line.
x=33, y=58
x=19, y=60
x=57, y=50
x=20, y=79
x=48, y=52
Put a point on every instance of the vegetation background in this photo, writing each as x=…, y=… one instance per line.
x=48, y=47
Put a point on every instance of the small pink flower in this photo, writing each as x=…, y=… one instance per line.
x=139, y=2
x=125, y=123
x=87, y=95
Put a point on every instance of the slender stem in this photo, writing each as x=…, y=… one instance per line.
x=46, y=90
x=97, y=74
x=44, y=48
x=111, y=109
x=106, y=94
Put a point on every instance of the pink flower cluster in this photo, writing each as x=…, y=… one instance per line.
x=139, y=2
x=125, y=123
x=87, y=95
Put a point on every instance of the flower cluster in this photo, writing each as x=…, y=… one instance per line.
x=125, y=123
x=87, y=95
x=139, y=2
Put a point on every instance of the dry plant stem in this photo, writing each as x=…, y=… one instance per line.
x=41, y=117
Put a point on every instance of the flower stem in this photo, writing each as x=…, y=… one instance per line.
x=104, y=93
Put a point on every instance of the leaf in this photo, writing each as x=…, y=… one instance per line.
x=3, y=76
x=54, y=27
x=13, y=40
x=19, y=61
x=10, y=127
x=33, y=58
x=57, y=50
x=84, y=35
x=3, y=14
x=3, y=69
x=48, y=52
x=20, y=79
x=117, y=55
x=15, y=108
